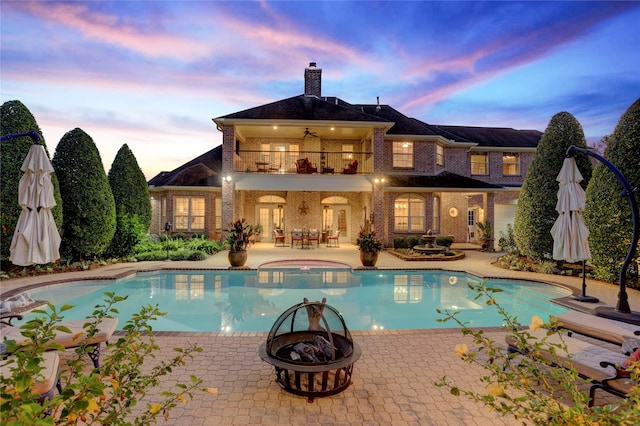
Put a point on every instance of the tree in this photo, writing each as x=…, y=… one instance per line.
x=536, y=210
x=133, y=205
x=89, y=207
x=607, y=213
x=16, y=118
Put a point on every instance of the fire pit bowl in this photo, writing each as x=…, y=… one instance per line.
x=311, y=349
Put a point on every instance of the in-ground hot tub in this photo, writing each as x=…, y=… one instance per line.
x=311, y=349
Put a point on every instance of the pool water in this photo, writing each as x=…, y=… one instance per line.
x=253, y=300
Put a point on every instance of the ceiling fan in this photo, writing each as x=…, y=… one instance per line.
x=308, y=133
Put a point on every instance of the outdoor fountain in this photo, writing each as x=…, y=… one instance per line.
x=429, y=247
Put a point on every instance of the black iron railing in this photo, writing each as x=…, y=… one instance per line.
x=284, y=162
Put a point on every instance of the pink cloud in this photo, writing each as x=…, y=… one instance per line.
x=111, y=29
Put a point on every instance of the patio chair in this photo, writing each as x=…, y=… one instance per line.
x=334, y=240
x=590, y=361
x=279, y=237
x=305, y=167
x=74, y=339
x=314, y=235
x=351, y=169
x=600, y=328
x=296, y=235
x=50, y=379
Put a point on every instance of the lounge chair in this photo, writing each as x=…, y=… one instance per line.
x=590, y=361
x=616, y=332
x=44, y=385
x=73, y=339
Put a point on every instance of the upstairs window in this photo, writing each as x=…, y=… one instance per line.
x=189, y=214
x=511, y=164
x=479, y=163
x=409, y=213
x=439, y=155
x=403, y=155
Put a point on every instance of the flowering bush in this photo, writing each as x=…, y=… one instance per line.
x=104, y=395
x=534, y=388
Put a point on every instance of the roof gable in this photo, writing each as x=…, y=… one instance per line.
x=197, y=172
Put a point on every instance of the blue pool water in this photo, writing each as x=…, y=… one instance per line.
x=253, y=300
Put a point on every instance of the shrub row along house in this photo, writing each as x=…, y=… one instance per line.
x=319, y=162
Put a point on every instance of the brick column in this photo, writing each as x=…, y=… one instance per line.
x=377, y=202
x=228, y=187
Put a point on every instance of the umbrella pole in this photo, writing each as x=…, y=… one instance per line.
x=584, y=297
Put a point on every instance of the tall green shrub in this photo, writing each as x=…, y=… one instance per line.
x=16, y=118
x=607, y=213
x=536, y=210
x=89, y=207
x=133, y=205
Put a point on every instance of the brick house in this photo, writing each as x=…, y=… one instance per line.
x=319, y=162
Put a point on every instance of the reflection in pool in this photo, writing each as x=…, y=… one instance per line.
x=252, y=300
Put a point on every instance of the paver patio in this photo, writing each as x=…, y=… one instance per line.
x=393, y=380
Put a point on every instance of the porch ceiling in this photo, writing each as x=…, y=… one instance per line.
x=297, y=131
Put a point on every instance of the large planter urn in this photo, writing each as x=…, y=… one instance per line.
x=368, y=258
x=237, y=258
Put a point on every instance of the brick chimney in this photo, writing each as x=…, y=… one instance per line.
x=312, y=80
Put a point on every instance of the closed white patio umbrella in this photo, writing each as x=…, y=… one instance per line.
x=570, y=234
x=36, y=239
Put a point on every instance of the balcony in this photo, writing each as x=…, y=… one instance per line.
x=285, y=162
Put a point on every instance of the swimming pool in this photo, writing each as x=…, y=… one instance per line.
x=252, y=300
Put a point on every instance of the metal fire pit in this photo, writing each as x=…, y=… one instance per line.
x=311, y=349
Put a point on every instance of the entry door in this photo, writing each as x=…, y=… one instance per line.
x=472, y=214
x=270, y=216
x=338, y=218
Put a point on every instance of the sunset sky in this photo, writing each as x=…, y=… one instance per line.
x=152, y=74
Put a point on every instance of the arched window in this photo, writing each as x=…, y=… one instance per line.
x=409, y=213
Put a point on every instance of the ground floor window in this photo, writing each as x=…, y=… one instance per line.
x=188, y=214
x=409, y=213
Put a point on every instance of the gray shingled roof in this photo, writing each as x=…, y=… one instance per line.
x=304, y=108
x=443, y=180
x=201, y=171
x=499, y=137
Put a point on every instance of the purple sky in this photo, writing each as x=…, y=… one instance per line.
x=152, y=74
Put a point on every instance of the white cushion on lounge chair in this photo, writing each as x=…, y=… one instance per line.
x=77, y=335
x=49, y=374
x=585, y=357
x=600, y=328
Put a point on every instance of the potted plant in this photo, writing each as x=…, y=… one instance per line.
x=369, y=245
x=257, y=231
x=485, y=234
x=237, y=241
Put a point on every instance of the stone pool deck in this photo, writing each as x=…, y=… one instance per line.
x=393, y=380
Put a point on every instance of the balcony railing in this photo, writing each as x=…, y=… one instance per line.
x=284, y=162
